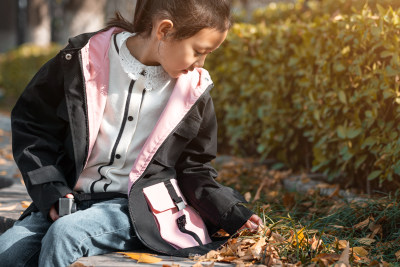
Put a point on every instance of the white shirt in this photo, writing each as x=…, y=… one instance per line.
x=136, y=97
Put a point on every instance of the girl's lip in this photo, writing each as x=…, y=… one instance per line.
x=185, y=71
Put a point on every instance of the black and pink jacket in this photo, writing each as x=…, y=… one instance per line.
x=57, y=118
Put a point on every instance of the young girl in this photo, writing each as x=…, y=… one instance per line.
x=120, y=125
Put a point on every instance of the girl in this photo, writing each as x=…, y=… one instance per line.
x=120, y=125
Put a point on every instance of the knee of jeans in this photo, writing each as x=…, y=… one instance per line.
x=60, y=232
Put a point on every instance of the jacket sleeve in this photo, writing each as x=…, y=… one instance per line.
x=218, y=205
x=37, y=136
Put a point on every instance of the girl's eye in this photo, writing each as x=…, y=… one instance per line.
x=197, y=53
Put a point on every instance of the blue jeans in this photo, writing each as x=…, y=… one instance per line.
x=96, y=228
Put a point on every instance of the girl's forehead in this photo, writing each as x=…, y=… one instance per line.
x=208, y=38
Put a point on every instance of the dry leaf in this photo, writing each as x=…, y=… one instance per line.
x=257, y=249
x=397, y=255
x=335, y=193
x=79, y=264
x=375, y=230
x=326, y=259
x=344, y=258
x=25, y=204
x=141, y=257
x=9, y=208
x=197, y=264
x=288, y=200
x=342, y=244
x=247, y=196
x=366, y=241
x=363, y=224
x=359, y=251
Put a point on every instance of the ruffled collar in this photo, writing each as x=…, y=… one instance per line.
x=154, y=76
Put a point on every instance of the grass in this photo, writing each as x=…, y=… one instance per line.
x=315, y=229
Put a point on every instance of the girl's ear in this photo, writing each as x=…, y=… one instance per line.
x=164, y=28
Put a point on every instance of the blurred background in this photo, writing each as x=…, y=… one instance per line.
x=43, y=21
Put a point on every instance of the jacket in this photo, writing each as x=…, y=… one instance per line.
x=56, y=120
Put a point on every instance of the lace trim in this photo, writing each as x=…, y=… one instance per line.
x=155, y=76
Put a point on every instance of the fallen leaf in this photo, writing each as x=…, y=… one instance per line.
x=197, y=264
x=141, y=257
x=366, y=241
x=335, y=193
x=397, y=255
x=288, y=200
x=257, y=249
x=363, y=224
x=247, y=196
x=375, y=230
x=9, y=208
x=25, y=204
x=359, y=251
x=344, y=258
x=326, y=259
x=342, y=244
x=79, y=264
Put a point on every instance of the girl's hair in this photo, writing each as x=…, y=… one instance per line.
x=188, y=16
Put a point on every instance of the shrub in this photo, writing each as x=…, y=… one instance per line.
x=18, y=66
x=322, y=92
x=307, y=10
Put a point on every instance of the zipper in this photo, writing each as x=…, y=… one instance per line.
x=86, y=118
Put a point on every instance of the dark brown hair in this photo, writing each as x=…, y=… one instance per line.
x=188, y=16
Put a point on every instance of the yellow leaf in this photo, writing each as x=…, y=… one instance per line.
x=25, y=204
x=299, y=237
x=9, y=208
x=360, y=251
x=142, y=257
x=342, y=244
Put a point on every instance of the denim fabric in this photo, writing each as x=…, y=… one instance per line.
x=96, y=228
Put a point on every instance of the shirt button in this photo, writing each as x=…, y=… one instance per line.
x=68, y=56
x=130, y=118
x=118, y=156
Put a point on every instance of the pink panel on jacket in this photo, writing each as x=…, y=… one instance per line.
x=96, y=67
x=188, y=89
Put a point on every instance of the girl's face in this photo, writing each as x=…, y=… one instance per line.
x=180, y=57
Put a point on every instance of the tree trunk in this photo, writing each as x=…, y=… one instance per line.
x=125, y=7
x=82, y=16
x=39, y=22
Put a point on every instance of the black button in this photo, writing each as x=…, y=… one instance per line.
x=118, y=156
x=130, y=118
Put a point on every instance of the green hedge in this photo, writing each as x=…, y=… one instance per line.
x=18, y=66
x=322, y=93
x=306, y=10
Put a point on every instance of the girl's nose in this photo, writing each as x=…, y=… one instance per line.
x=200, y=62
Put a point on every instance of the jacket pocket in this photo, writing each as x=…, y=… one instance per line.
x=179, y=224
